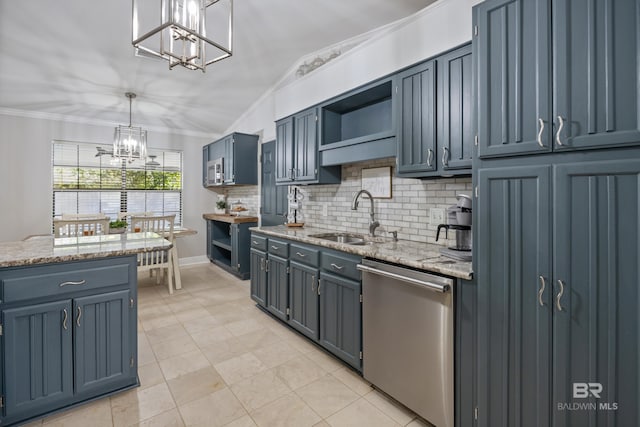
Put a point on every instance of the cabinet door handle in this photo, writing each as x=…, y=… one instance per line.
x=81, y=282
x=266, y=266
x=313, y=283
x=301, y=255
x=561, y=121
x=65, y=318
x=429, y=157
x=337, y=267
x=541, y=291
x=79, y=316
x=558, y=305
x=262, y=264
x=539, y=138
x=319, y=285
x=445, y=156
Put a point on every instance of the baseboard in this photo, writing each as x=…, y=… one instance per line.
x=193, y=260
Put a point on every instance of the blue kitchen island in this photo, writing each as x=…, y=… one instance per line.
x=69, y=320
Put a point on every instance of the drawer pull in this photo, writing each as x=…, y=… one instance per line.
x=275, y=248
x=79, y=316
x=337, y=267
x=300, y=255
x=81, y=282
x=254, y=242
x=64, y=319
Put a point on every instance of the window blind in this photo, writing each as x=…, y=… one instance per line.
x=86, y=182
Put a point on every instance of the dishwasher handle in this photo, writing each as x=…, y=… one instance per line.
x=435, y=287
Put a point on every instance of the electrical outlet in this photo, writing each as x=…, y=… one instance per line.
x=436, y=216
x=325, y=209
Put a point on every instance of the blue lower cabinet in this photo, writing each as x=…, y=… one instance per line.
x=258, y=277
x=101, y=348
x=69, y=334
x=303, y=299
x=341, y=317
x=37, y=358
x=278, y=289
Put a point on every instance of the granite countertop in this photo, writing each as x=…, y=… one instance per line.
x=425, y=256
x=230, y=218
x=47, y=249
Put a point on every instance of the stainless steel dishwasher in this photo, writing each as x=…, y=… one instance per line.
x=407, y=338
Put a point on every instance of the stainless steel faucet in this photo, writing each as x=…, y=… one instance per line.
x=373, y=224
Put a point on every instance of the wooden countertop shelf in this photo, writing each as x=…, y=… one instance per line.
x=229, y=218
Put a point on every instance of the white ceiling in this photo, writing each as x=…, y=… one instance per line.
x=75, y=58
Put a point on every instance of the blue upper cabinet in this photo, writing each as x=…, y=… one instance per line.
x=239, y=155
x=297, y=152
x=595, y=73
x=417, y=119
x=284, y=150
x=305, y=152
x=577, y=89
x=229, y=165
x=455, y=122
x=512, y=50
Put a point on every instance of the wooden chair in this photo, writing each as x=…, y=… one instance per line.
x=98, y=215
x=127, y=217
x=80, y=227
x=163, y=259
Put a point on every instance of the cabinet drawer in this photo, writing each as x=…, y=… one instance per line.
x=258, y=242
x=278, y=247
x=304, y=255
x=60, y=279
x=341, y=264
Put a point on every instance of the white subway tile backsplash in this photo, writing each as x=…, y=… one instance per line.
x=407, y=211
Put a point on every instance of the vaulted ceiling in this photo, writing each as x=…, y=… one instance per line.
x=74, y=58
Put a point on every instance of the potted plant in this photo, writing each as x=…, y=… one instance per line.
x=221, y=206
x=116, y=227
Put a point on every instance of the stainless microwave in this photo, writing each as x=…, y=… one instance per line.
x=215, y=172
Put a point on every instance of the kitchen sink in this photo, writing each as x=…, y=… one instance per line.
x=347, y=238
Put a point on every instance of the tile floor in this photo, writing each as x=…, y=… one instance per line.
x=209, y=357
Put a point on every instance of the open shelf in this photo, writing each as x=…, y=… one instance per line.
x=224, y=244
x=363, y=116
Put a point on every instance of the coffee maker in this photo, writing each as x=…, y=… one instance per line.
x=459, y=220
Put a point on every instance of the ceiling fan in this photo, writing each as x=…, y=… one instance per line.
x=151, y=164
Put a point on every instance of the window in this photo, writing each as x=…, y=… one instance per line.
x=86, y=181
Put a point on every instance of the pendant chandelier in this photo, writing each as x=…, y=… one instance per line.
x=183, y=31
x=129, y=142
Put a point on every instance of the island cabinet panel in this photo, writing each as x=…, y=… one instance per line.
x=102, y=353
x=69, y=334
x=37, y=358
